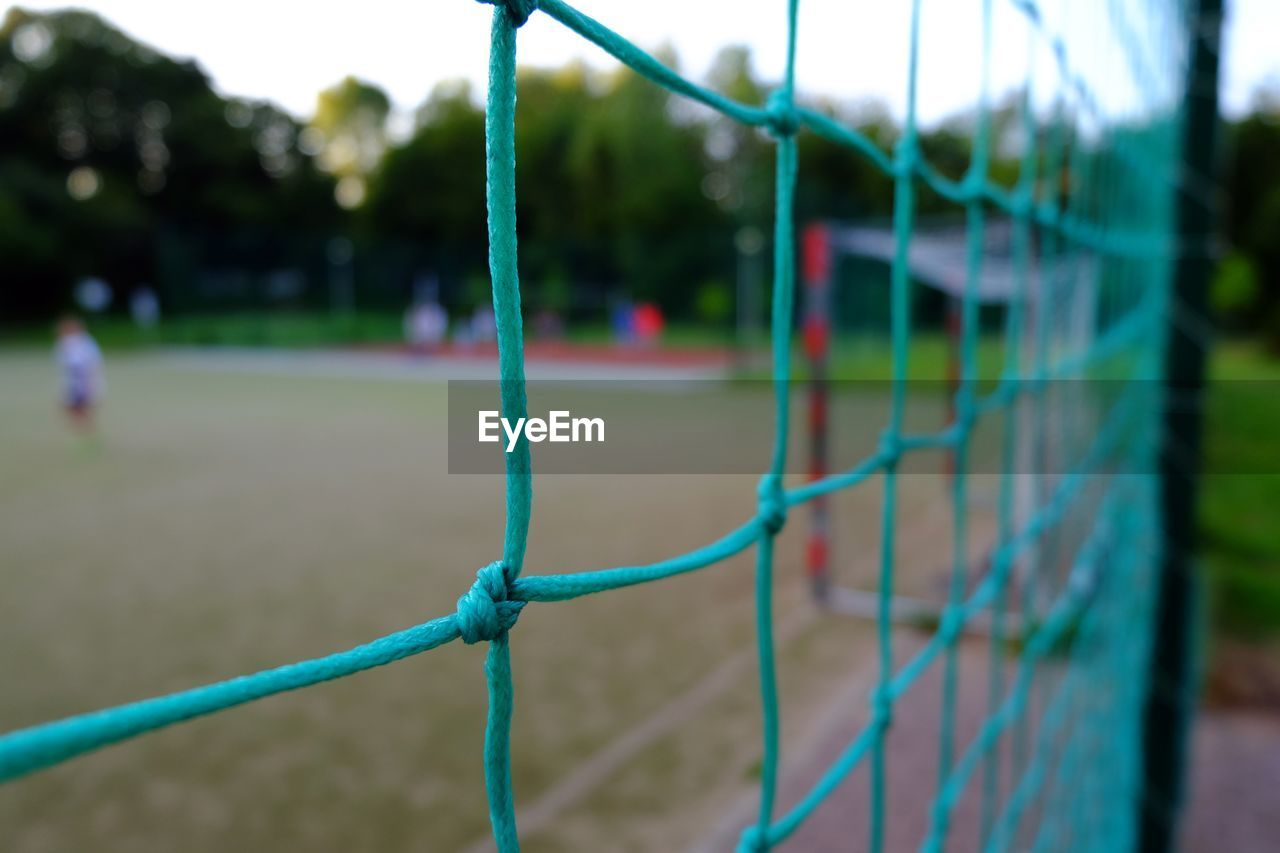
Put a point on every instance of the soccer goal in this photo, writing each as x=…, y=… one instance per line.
x=846, y=271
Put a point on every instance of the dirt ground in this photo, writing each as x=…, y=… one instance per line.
x=1230, y=803
x=234, y=520
x=237, y=519
x=1235, y=775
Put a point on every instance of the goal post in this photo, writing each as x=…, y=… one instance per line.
x=937, y=262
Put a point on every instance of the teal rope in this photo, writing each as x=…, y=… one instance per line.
x=772, y=499
x=964, y=414
x=500, y=183
x=1077, y=229
x=500, y=172
x=1012, y=372
x=900, y=322
x=565, y=587
x=488, y=611
x=1064, y=497
x=26, y=750
x=1072, y=603
x=1110, y=441
x=1028, y=175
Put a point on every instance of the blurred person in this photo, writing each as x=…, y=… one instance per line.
x=648, y=323
x=144, y=307
x=80, y=361
x=484, y=326
x=622, y=320
x=548, y=325
x=425, y=326
x=479, y=328
x=93, y=294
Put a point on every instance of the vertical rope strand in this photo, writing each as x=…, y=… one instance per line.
x=1045, y=459
x=905, y=164
x=772, y=499
x=1005, y=523
x=1016, y=318
x=965, y=416
x=500, y=174
x=771, y=485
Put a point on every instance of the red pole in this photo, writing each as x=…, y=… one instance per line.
x=816, y=272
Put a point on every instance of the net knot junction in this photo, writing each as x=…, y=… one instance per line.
x=518, y=10
x=782, y=119
x=772, y=505
x=486, y=612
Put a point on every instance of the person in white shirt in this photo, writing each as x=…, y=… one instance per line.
x=80, y=362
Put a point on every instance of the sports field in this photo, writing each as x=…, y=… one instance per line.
x=232, y=521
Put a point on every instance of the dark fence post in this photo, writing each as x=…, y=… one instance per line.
x=1169, y=703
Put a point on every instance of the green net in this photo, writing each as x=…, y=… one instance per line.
x=1091, y=208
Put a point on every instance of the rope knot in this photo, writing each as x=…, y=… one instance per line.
x=517, y=10
x=890, y=446
x=1024, y=202
x=753, y=840
x=485, y=612
x=952, y=622
x=782, y=119
x=906, y=156
x=973, y=186
x=772, y=504
x=881, y=707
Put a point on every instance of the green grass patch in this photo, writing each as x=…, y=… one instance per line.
x=1240, y=492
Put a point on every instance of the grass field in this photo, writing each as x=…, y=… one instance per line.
x=230, y=523
x=1242, y=492
x=233, y=522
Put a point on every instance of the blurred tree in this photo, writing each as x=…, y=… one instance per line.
x=1234, y=288
x=104, y=142
x=120, y=162
x=429, y=191
x=1251, y=196
x=713, y=304
x=740, y=178
x=609, y=186
x=837, y=184
x=642, y=168
x=349, y=134
x=949, y=149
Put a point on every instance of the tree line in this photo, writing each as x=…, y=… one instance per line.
x=119, y=162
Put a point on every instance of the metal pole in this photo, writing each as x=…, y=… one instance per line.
x=817, y=272
x=1170, y=697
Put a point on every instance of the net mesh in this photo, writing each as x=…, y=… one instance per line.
x=1091, y=209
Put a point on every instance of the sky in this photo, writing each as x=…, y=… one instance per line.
x=286, y=51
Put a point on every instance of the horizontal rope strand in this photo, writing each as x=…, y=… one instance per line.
x=26, y=750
